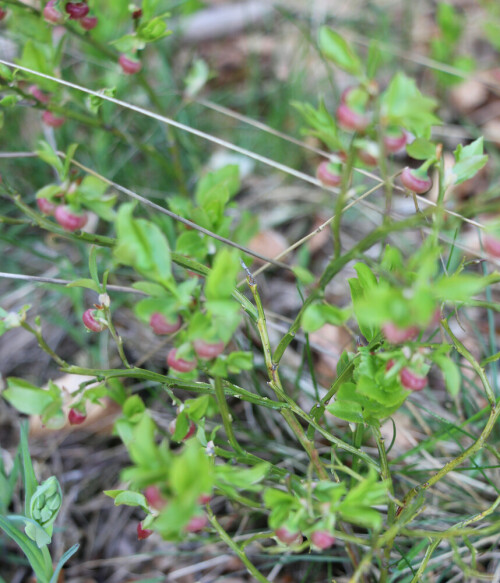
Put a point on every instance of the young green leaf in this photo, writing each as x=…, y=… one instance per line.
x=335, y=48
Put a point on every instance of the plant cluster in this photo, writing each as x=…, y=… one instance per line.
x=184, y=256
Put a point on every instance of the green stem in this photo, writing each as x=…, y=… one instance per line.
x=118, y=339
x=473, y=362
x=391, y=514
x=225, y=414
x=43, y=345
x=451, y=465
x=194, y=386
x=337, y=264
x=358, y=440
x=234, y=547
x=423, y=565
x=275, y=384
x=339, y=206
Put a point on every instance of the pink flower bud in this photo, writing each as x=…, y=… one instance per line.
x=38, y=94
x=45, y=206
x=75, y=417
x=91, y=322
x=143, y=533
x=396, y=335
x=88, y=22
x=129, y=66
x=322, y=539
x=161, y=325
x=196, y=524
x=51, y=14
x=77, y=10
x=52, y=120
x=414, y=182
x=351, y=120
x=69, y=220
x=190, y=432
x=328, y=174
x=411, y=381
x=207, y=350
x=287, y=537
x=395, y=141
x=179, y=364
x=154, y=498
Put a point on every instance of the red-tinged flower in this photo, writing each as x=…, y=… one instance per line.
x=190, y=432
x=411, y=381
x=129, y=66
x=143, y=533
x=208, y=350
x=76, y=417
x=38, y=94
x=351, y=120
x=69, y=220
x=394, y=140
x=329, y=174
x=91, y=322
x=3, y=13
x=491, y=245
x=136, y=14
x=322, y=539
x=51, y=14
x=414, y=181
x=154, y=498
x=205, y=498
x=88, y=22
x=368, y=157
x=396, y=335
x=161, y=325
x=179, y=364
x=287, y=537
x=45, y=206
x=52, y=120
x=77, y=10
x=196, y=524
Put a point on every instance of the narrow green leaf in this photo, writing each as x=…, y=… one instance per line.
x=338, y=50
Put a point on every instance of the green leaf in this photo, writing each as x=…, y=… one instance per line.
x=192, y=244
x=241, y=478
x=461, y=287
x=404, y=105
x=238, y=361
x=128, y=498
x=10, y=100
x=222, y=279
x=358, y=296
x=303, y=275
x=469, y=160
x=60, y=564
x=196, y=78
x=68, y=159
x=25, y=397
x=317, y=315
x=421, y=149
x=142, y=245
x=218, y=186
x=153, y=30
x=128, y=43
x=451, y=373
x=86, y=283
x=47, y=154
x=323, y=125
x=49, y=192
x=42, y=569
x=337, y=49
